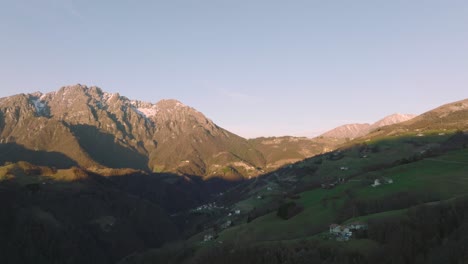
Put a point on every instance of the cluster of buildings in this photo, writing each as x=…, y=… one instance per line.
x=235, y=212
x=345, y=232
x=383, y=180
x=207, y=207
x=209, y=237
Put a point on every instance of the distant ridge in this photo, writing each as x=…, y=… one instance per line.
x=392, y=119
x=358, y=130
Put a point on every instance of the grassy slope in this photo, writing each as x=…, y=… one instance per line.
x=444, y=175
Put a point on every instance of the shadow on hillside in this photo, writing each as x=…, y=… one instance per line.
x=2, y=122
x=12, y=152
x=102, y=148
x=174, y=192
x=96, y=219
x=90, y=220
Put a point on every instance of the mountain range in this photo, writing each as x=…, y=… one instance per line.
x=93, y=129
x=88, y=127
x=88, y=176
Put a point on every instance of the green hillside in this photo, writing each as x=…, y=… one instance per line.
x=429, y=171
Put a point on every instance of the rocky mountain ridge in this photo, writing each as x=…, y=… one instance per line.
x=352, y=131
x=85, y=126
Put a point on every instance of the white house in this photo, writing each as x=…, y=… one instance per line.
x=345, y=232
x=335, y=228
x=227, y=224
x=376, y=183
x=208, y=237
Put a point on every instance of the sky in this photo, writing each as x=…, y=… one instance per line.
x=255, y=67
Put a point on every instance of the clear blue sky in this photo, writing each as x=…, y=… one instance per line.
x=255, y=67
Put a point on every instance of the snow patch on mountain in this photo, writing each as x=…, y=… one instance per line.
x=146, y=112
x=40, y=106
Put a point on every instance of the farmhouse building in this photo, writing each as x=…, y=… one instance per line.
x=345, y=232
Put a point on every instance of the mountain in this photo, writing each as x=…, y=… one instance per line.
x=190, y=143
x=359, y=130
x=391, y=119
x=85, y=126
x=347, y=131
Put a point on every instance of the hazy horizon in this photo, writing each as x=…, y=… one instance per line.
x=256, y=68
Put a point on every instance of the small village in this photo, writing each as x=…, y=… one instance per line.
x=207, y=207
x=345, y=232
